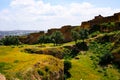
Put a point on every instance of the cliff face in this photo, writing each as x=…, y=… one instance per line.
x=31, y=38
x=100, y=19
x=65, y=30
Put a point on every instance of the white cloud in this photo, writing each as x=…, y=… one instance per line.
x=35, y=14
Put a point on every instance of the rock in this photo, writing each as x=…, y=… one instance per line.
x=2, y=77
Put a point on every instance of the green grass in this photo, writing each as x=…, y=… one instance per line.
x=14, y=61
x=83, y=69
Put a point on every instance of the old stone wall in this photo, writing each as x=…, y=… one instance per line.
x=100, y=19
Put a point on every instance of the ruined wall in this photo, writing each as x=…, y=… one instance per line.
x=65, y=30
x=100, y=19
x=31, y=38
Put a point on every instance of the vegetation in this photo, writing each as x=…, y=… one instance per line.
x=67, y=66
x=44, y=39
x=102, y=54
x=109, y=24
x=10, y=40
x=75, y=36
x=92, y=57
x=83, y=34
x=17, y=64
x=57, y=37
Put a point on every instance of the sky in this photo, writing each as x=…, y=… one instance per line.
x=46, y=14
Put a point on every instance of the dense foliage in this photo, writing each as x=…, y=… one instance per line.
x=10, y=40
x=102, y=53
x=83, y=34
x=67, y=66
x=57, y=37
x=75, y=36
x=44, y=39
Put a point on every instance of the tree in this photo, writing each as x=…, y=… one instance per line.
x=83, y=34
x=57, y=37
x=75, y=36
x=10, y=40
x=94, y=28
x=41, y=39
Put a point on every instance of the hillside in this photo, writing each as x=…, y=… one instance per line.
x=17, y=64
x=90, y=52
x=99, y=23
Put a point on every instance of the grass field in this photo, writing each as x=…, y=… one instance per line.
x=83, y=69
x=14, y=61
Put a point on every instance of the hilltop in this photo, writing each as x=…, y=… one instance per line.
x=91, y=25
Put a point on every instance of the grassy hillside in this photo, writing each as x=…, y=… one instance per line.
x=15, y=63
x=83, y=69
x=35, y=62
x=85, y=65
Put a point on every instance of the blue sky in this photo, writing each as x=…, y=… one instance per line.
x=46, y=14
x=99, y=3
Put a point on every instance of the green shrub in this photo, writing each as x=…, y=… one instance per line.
x=75, y=36
x=57, y=37
x=67, y=54
x=82, y=46
x=40, y=72
x=106, y=59
x=10, y=40
x=46, y=68
x=28, y=50
x=101, y=53
x=67, y=66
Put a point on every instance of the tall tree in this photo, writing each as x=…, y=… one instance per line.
x=57, y=37
x=75, y=36
x=83, y=34
x=41, y=39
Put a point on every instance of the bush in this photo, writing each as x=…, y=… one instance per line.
x=46, y=68
x=67, y=66
x=40, y=72
x=82, y=46
x=28, y=50
x=67, y=54
x=94, y=28
x=10, y=40
x=74, y=52
x=102, y=53
x=106, y=59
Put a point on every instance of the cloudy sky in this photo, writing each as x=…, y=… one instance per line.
x=46, y=14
